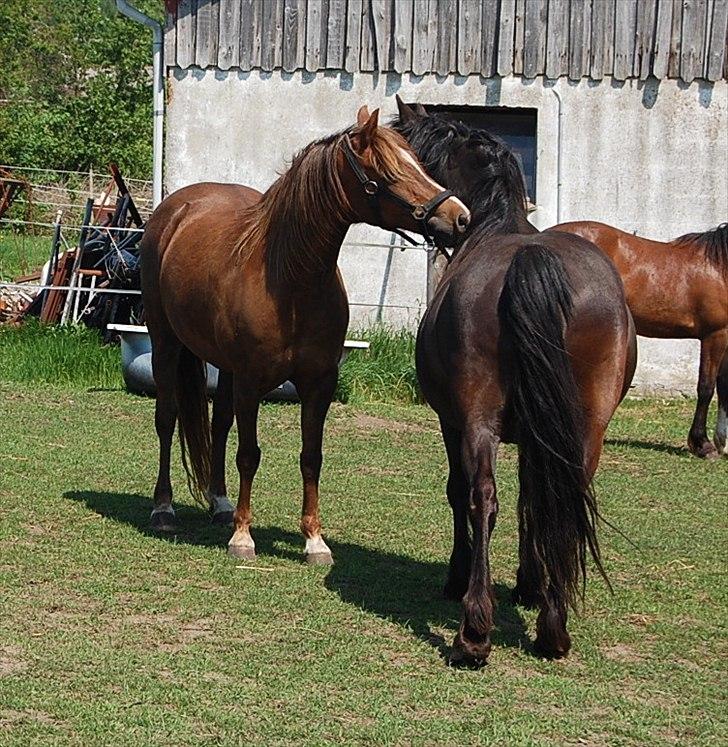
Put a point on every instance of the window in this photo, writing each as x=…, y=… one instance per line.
x=516, y=127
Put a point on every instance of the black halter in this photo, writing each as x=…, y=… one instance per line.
x=421, y=213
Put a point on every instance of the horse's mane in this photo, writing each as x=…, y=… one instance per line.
x=714, y=244
x=306, y=207
x=495, y=193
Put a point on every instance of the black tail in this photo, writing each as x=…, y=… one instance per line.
x=558, y=508
x=194, y=423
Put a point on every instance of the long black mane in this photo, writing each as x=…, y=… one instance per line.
x=714, y=244
x=477, y=166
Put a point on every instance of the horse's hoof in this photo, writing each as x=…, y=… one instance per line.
x=241, y=552
x=550, y=650
x=223, y=518
x=319, y=558
x=705, y=451
x=163, y=521
x=470, y=654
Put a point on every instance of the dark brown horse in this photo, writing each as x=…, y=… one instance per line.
x=527, y=340
x=678, y=289
x=250, y=284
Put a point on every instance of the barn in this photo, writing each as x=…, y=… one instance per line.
x=617, y=110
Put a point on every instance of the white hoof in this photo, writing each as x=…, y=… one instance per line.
x=241, y=546
x=317, y=552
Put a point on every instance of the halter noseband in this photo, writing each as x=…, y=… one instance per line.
x=421, y=213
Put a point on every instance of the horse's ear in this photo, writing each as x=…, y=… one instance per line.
x=420, y=110
x=368, y=124
x=362, y=116
x=407, y=113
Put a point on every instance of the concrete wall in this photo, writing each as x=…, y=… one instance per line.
x=647, y=156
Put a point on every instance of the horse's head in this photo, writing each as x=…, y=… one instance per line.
x=386, y=185
x=471, y=162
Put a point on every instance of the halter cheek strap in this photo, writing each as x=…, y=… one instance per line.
x=421, y=213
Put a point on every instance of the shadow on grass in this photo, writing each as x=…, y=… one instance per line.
x=649, y=445
x=394, y=587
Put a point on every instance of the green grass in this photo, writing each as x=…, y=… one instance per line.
x=21, y=254
x=110, y=635
x=384, y=373
x=36, y=352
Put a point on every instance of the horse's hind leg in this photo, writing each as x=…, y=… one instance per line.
x=222, y=420
x=479, y=452
x=165, y=356
x=457, y=495
x=241, y=544
x=712, y=349
x=316, y=393
x=720, y=438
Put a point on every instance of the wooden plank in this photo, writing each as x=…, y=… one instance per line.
x=353, y=35
x=602, y=38
x=423, y=37
x=402, y=36
x=250, y=33
x=579, y=39
x=446, y=36
x=382, y=27
x=170, y=39
x=718, y=40
x=692, y=45
x=506, y=36
x=644, y=38
x=368, y=56
x=557, y=39
x=228, y=53
x=518, y=36
x=271, y=38
x=661, y=50
x=336, y=35
x=186, y=32
x=624, y=38
x=317, y=13
x=294, y=35
x=673, y=63
x=208, y=30
x=489, y=39
x=468, y=42
x=534, y=38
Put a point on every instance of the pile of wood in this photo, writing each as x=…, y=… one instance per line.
x=75, y=279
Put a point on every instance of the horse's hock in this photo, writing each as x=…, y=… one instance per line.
x=136, y=363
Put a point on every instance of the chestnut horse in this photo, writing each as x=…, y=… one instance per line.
x=678, y=289
x=250, y=284
x=527, y=340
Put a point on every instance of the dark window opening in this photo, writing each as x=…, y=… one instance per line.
x=516, y=127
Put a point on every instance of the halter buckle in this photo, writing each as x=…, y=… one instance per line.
x=419, y=213
x=371, y=187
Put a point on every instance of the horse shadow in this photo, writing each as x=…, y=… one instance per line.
x=681, y=451
x=394, y=587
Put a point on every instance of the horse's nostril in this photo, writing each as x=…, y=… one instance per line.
x=463, y=221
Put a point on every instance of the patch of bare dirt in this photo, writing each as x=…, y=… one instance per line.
x=11, y=662
x=622, y=652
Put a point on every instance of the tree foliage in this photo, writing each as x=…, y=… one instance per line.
x=75, y=85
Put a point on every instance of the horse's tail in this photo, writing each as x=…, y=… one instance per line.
x=557, y=509
x=194, y=423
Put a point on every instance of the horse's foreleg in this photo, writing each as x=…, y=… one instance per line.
x=222, y=420
x=316, y=395
x=712, y=349
x=457, y=496
x=241, y=544
x=165, y=356
x=479, y=452
x=720, y=438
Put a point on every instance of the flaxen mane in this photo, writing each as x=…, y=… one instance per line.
x=714, y=244
x=306, y=206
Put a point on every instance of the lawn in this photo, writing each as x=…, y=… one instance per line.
x=21, y=254
x=110, y=635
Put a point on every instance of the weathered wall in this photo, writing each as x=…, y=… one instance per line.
x=647, y=156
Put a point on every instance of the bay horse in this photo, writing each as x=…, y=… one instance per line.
x=250, y=284
x=527, y=340
x=678, y=289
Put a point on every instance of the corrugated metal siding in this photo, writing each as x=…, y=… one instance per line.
x=683, y=39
